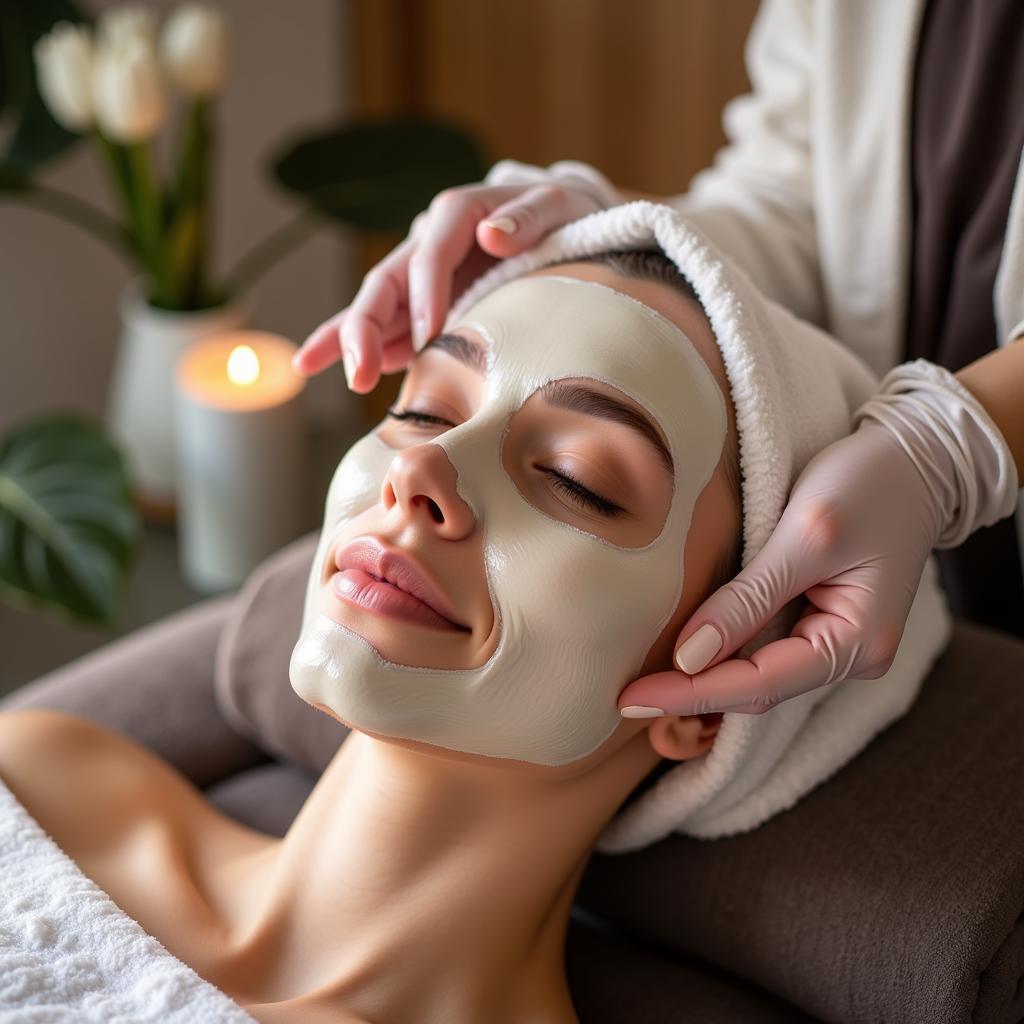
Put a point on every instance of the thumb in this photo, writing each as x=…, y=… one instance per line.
x=740, y=609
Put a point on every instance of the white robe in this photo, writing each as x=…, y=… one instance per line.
x=812, y=196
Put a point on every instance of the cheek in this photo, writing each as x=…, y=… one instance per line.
x=659, y=658
x=358, y=481
x=711, y=528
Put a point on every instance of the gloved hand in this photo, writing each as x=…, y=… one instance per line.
x=463, y=232
x=925, y=467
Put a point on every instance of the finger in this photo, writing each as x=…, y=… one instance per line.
x=365, y=337
x=788, y=564
x=634, y=700
x=325, y=345
x=396, y=344
x=776, y=672
x=369, y=320
x=748, y=709
x=525, y=220
x=473, y=266
x=397, y=354
x=321, y=349
x=444, y=240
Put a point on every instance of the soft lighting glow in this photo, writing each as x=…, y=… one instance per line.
x=243, y=365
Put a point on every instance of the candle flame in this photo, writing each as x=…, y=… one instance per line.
x=243, y=365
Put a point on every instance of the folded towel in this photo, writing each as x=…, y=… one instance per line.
x=69, y=953
x=795, y=390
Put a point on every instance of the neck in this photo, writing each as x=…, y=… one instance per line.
x=415, y=887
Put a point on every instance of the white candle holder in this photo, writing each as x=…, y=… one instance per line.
x=242, y=454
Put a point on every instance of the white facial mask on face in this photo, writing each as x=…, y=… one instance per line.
x=577, y=614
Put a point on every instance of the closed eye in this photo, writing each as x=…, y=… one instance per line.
x=562, y=481
x=418, y=417
x=581, y=495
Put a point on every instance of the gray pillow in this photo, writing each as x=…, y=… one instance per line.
x=251, y=675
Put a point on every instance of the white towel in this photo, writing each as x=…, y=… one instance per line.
x=795, y=390
x=68, y=953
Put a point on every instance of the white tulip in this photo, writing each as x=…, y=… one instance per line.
x=130, y=21
x=64, y=63
x=194, y=48
x=128, y=91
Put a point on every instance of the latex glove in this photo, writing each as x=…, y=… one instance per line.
x=925, y=468
x=404, y=300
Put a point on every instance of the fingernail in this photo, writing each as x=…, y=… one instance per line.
x=640, y=711
x=419, y=333
x=351, y=365
x=699, y=649
x=506, y=225
x=296, y=359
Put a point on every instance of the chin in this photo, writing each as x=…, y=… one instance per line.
x=327, y=711
x=436, y=752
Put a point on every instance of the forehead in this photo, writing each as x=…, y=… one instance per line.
x=660, y=296
x=543, y=328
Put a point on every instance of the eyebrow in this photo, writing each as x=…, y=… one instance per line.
x=467, y=351
x=580, y=398
x=574, y=397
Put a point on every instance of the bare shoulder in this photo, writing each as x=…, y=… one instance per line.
x=37, y=740
x=51, y=743
x=84, y=782
x=24, y=727
x=89, y=786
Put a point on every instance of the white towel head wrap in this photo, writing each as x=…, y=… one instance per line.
x=795, y=391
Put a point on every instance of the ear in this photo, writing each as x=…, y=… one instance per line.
x=680, y=737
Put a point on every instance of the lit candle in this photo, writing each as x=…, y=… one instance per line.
x=242, y=455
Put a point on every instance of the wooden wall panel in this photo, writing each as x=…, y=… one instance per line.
x=634, y=87
x=637, y=88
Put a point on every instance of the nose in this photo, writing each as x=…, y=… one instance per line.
x=422, y=481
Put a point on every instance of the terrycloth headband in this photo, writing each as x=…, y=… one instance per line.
x=795, y=390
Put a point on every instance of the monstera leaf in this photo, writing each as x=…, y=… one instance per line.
x=377, y=175
x=36, y=136
x=68, y=527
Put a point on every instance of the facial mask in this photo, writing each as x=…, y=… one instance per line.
x=577, y=614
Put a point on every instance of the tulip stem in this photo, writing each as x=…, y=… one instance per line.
x=150, y=220
x=129, y=166
x=188, y=211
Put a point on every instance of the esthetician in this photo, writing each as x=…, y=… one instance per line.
x=872, y=185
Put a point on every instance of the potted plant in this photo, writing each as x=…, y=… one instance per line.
x=69, y=529
x=112, y=85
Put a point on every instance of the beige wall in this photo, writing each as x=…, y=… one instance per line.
x=58, y=286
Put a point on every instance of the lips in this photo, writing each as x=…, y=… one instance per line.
x=401, y=571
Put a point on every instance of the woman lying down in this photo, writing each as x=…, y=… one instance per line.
x=595, y=443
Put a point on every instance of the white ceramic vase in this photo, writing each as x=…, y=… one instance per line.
x=140, y=402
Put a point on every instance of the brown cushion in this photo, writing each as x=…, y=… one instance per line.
x=251, y=680
x=892, y=892
x=155, y=685
x=266, y=797
x=619, y=979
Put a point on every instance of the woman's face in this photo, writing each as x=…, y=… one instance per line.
x=551, y=520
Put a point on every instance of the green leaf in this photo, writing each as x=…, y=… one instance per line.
x=37, y=136
x=68, y=526
x=377, y=175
